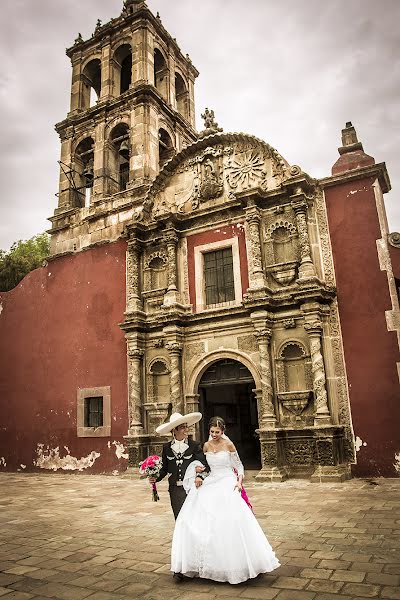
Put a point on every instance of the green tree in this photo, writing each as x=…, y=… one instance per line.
x=23, y=257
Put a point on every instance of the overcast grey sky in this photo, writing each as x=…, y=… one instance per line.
x=291, y=73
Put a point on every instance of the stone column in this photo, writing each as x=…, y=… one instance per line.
x=106, y=72
x=256, y=272
x=306, y=269
x=175, y=351
x=133, y=300
x=76, y=84
x=171, y=241
x=192, y=405
x=265, y=398
x=135, y=393
x=322, y=417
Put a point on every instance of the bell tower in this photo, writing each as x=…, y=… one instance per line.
x=131, y=110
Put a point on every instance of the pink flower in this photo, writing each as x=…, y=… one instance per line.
x=151, y=468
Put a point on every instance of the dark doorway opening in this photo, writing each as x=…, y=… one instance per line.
x=226, y=391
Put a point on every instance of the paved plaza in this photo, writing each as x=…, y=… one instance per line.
x=71, y=537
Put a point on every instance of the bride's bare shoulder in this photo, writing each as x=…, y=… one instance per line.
x=231, y=447
x=205, y=446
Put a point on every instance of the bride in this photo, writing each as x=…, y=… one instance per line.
x=216, y=535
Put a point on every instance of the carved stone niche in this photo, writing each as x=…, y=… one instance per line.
x=284, y=273
x=155, y=272
x=294, y=377
x=295, y=402
x=282, y=253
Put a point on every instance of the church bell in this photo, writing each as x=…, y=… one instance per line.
x=124, y=149
x=88, y=175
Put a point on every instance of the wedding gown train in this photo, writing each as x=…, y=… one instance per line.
x=216, y=534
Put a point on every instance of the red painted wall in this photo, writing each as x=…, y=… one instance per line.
x=216, y=235
x=59, y=332
x=370, y=350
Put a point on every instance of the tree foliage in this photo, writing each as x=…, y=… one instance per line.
x=23, y=257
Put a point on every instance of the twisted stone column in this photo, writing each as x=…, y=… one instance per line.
x=192, y=405
x=135, y=395
x=133, y=301
x=306, y=268
x=267, y=412
x=175, y=351
x=256, y=272
x=314, y=329
x=171, y=241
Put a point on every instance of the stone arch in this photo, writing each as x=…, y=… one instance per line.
x=154, y=361
x=202, y=365
x=292, y=342
x=158, y=254
x=280, y=223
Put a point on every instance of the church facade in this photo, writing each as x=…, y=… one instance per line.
x=200, y=271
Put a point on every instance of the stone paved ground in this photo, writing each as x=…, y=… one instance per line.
x=100, y=537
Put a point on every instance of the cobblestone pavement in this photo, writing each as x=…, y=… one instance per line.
x=101, y=537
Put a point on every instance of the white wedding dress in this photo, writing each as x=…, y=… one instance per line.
x=216, y=534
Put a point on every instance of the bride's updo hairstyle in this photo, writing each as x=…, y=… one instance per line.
x=217, y=422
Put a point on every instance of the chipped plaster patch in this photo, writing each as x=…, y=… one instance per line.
x=1, y=308
x=358, y=443
x=397, y=463
x=2, y=461
x=120, y=450
x=49, y=458
x=23, y=466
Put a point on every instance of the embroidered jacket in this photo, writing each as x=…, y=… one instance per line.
x=176, y=463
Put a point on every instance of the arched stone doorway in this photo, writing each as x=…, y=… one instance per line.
x=226, y=389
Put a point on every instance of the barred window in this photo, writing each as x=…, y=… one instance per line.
x=94, y=412
x=218, y=273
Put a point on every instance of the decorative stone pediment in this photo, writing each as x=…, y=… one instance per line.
x=213, y=171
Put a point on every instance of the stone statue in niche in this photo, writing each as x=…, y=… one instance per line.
x=211, y=183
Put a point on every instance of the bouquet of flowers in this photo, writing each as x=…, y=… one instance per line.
x=151, y=468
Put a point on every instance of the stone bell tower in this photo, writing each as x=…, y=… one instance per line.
x=132, y=109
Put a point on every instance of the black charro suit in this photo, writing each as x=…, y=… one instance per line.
x=175, y=464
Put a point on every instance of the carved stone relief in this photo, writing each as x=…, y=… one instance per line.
x=194, y=351
x=247, y=343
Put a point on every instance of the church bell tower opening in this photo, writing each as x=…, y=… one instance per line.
x=226, y=390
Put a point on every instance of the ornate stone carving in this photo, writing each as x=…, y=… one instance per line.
x=289, y=323
x=133, y=302
x=194, y=350
x=210, y=124
x=135, y=390
x=256, y=273
x=175, y=350
x=306, y=268
x=134, y=456
x=314, y=329
x=299, y=453
x=394, y=239
x=246, y=169
x=267, y=413
x=269, y=454
x=247, y=343
x=322, y=219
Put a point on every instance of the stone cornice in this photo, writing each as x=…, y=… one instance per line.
x=378, y=171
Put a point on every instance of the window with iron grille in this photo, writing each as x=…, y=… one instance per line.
x=218, y=273
x=93, y=412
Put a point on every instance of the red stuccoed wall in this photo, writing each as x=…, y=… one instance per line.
x=370, y=350
x=59, y=332
x=216, y=235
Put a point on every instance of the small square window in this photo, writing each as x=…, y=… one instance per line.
x=94, y=412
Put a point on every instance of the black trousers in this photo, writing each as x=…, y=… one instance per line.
x=178, y=496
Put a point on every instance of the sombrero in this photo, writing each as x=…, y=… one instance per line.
x=177, y=419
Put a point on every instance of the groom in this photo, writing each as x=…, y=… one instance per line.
x=177, y=456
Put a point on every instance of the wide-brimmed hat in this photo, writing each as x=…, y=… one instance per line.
x=177, y=419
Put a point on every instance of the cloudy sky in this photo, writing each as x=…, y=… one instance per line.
x=291, y=73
